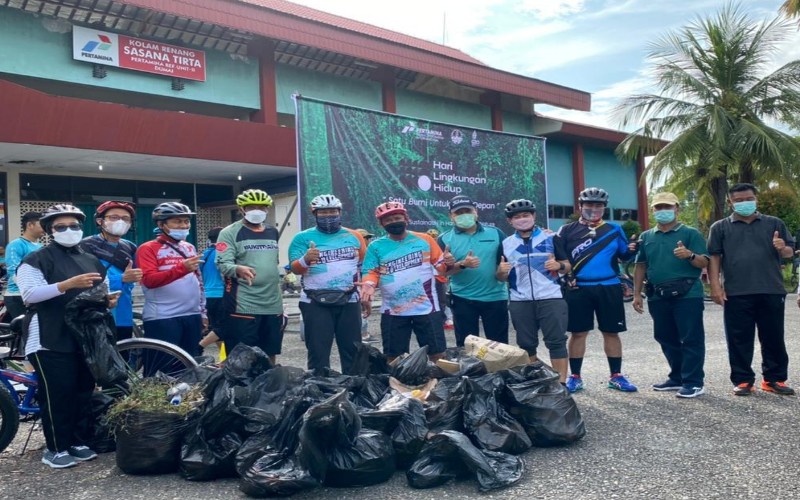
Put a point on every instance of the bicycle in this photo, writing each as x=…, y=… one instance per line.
x=18, y=387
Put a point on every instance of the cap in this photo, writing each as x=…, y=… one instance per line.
x=364, y=233
x=664, y=199
x=460, y=201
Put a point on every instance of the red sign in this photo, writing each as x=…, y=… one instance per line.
x=162, y=59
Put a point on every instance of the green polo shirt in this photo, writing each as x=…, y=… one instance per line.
x=656, y=249
x=479, y=283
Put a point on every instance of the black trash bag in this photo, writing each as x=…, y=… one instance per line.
x=275, y=474
x=369, y=460
x=198, y=375
x=450, y=455
x=410, y=433
x=244, y=363
x=489, y=424
x=444, y=408
x=206, y=460
x=221, y=414
x=251, y=450
x=94, y=430
x=92, y=326
x=367, y=392
x=386, y=416
x=266, y=395
x=369, y=361
x=543, y=407
x=413, y=369
x=331, y=423
x=149, y=442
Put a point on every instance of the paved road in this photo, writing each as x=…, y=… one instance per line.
x=646, y=445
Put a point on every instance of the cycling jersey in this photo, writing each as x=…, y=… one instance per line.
x=479, y=283
x=405, y=271
x=169, y=289
x=212, y=281
x=15, y=252
x=528, y=279
x=594, y=255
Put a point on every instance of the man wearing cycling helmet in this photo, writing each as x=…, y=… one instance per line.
x=247, y=257
x=477, y=296
x=115, y=219
x=531, y=262
x=48, y=280
x=404, y=263
x=593, y=247
x=328, y=257
x=174, y=301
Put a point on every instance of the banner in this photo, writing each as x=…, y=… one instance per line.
x=366, y=158
x=137, y=54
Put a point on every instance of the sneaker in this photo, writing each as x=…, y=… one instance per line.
x=743, y=389
x=81, y=453
x=690, y=392
x=667, y=385
x=777, y=387
x=574, y=384
x=369, y=339
x=60, y=460
x=620, y=383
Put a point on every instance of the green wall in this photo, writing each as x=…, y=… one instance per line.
x=27, y=49
x=515, y=123
x=439, y=109
x=602, y=169
x=290, y=80
x=558, y=157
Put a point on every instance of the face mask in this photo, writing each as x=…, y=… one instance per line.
x=523, y=224
x=329, y=223
x=592, y=214
x=665, y=216
x=745, y=208
x=255, y=216
x=117, y=228
x=178, y=234
x=395, y=228
x=465, y=221
x=68, y=238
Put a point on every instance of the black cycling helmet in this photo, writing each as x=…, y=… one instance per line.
x=519, y=206
x=56, y=211
x=169, y=210
x=593, y=195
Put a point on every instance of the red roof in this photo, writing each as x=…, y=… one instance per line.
x=319, y=16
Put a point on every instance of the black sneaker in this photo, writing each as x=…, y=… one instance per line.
x=667, y=385
x=690, y=392
x=60, y=460
x=81, y=453
x=777, y=387
x=743, y=389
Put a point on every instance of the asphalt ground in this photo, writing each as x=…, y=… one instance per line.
x=646, y=445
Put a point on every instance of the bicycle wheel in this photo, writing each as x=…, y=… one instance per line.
x=147, y=357
x=9, y=418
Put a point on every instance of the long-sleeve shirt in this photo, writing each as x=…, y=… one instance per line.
x=169, y=289
x=15, y=252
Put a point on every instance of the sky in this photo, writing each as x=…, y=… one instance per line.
x=598, y=46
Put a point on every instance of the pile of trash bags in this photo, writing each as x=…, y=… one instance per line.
x=282, y=430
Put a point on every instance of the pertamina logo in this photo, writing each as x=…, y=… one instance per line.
x=91, y=46
x=426, y=134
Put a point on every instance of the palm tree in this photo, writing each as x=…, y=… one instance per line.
x=791, y=8
x=716, y=106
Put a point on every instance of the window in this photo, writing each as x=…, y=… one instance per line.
x=560, y=211
x=624, y=214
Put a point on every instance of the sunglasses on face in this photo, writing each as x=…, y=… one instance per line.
x=63, y=227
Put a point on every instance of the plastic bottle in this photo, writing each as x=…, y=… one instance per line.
x=176, y=393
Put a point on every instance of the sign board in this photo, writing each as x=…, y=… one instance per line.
x=111, y=49
x=367, y=157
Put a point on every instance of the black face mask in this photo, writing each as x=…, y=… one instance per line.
x=329, y=223
x=395, y=228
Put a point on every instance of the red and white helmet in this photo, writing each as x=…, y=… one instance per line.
x=390, y=208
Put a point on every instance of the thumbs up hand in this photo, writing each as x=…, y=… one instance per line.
x=551, y=264
x=131, y=275
x=448, y=258
x=471, y=260
x=312, y=254
x=778, y=242
x=504, y=267
x=681, y=251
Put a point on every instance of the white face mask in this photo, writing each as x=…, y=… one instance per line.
x=255, y=216
x=68, y=238
x=117, y=228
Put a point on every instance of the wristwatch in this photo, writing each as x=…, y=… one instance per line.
x=691, y=257
x=461, y=265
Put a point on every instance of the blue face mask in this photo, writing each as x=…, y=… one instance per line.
x=745, y=208
x=178, y=234
x=665, y=216
x=465, y=221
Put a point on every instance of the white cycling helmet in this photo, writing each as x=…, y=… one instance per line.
x=325, y=201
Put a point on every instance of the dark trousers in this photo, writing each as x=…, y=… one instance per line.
x=183, y=331
x=64, y=395
x=743, y=313
x=467, y=313
x=678, y=328
x=255, y=330
x=322, y=324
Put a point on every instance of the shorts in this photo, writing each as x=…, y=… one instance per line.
x=396, y=333
x=255, y=330
x=548, y=315
x=605, y=301
x=216, y=316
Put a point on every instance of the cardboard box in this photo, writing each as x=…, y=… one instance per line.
x=495, y=355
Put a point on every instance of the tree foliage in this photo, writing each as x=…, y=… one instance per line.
x=782, y=203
